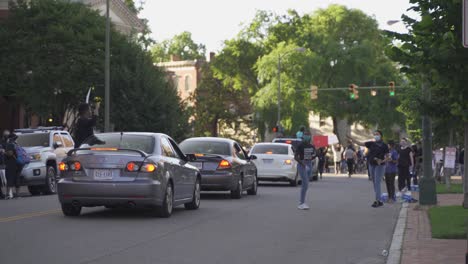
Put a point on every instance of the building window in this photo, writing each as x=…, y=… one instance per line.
x=187, y=83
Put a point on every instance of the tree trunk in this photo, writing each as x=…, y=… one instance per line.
x=465, y=179
x=214, y=126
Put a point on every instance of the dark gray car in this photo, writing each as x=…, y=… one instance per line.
x=223, y=164
x=128, y=169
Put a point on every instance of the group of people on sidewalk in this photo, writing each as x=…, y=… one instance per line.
x=385, y=161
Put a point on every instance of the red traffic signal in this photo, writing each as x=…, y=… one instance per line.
x=275, y=129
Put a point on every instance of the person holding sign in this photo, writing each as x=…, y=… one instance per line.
x=304, y=155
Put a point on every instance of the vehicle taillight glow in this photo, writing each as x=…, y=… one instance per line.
x=131, y=166
x=288, y=162
x=269, y=152
x=63, y=166
x=148, y=167
x=199, y=155
x=104, y=149
x=76, y=166
x=288, y=141
x=224, y=164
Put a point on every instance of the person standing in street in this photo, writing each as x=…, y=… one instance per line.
x=337, y=158
x=304, y=155
x=391, y=170
x=322, y=152
x=377, y=151
x=86, y=123
x=350, y=156
x=405, y=163
x=3, y=142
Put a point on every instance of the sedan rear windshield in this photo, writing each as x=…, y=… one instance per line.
x=138, y=142
x=270, y=149
x=33, y=140
x=205, y=147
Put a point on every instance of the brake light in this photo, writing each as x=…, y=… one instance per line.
x=224, y=164
x=104, y=149
x=269, y=152
x=199, y=155
x=76, y=166
x=288, y=141
x=132, y=166
x=63, y=166
x=288, y=162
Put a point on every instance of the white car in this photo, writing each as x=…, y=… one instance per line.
x=275, y=162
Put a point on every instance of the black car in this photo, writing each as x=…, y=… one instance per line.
x=224, y=165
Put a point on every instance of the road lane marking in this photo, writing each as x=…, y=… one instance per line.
x=28, y=215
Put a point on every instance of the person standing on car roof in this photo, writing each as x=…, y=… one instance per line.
x=85, y=124
x=304, y=155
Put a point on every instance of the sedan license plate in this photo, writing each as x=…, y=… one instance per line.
x=103, y=174
x=198, y=165
x=268, y=161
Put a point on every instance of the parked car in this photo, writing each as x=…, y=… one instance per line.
x=223, y=164
x=275, y=162
x=295, y=142
x=47, y=147
x=146, y=170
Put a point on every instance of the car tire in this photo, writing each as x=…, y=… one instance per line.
x=195, y=203
x=34, y=190
x=71, y=210
x=51, y=184
x=165, y=210
x=294, y=182
x=253, y=189
x=237, y=193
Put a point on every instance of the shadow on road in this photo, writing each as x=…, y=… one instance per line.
x=124, y=213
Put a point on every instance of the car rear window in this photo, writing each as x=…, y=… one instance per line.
x=125, y=141
x=33, y=140
x=270, y=149
x=205, y=147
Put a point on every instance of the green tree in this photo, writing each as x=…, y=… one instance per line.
x=181, y=45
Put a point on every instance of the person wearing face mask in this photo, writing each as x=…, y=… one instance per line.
x=377, y=152
x=304, y=155
x=405, y=162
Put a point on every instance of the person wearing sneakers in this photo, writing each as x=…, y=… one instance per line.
x=377, y=151
x=304, y=155
x=405, y=162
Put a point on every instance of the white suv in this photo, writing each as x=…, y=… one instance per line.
x=47, y=147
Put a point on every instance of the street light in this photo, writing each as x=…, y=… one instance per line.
x=298, y=49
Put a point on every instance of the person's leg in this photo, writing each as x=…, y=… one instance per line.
x=401, y=178
x=337, y=167
x=378, y=175
x=305, y=182
x=348, y=164
x=388, y=184
x=391, y=185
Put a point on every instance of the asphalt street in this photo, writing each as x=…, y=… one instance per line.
x=341, y=227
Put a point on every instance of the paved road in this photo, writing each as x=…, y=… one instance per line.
x=341, y=228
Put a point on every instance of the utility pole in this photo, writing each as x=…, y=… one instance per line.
x=278, y=123
x=428, y=194
x=107, y=73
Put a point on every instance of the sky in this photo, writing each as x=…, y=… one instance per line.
x=213, y=21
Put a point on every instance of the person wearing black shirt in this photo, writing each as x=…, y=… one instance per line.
x=377, y=152
x=405, y=162
x=304, y=156
x=85, y=124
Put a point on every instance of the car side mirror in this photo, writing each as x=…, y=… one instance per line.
x=252, y=157
x=58, y=144
x=190, y=157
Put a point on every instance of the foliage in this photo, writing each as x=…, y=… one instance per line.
x=181, y=45
x=454, y=188
x=55, y=51
x=448, y=222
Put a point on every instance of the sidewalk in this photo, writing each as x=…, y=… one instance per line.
x=418, y=245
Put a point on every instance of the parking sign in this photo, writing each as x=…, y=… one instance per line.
x=465, y=23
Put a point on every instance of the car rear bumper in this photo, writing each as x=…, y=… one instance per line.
x=276, y=174
x=138, y=193
x=218, y=181
x=34, y=173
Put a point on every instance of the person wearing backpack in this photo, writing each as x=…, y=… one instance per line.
x=15, y=160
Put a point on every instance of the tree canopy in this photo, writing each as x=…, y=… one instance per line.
x=181, y=45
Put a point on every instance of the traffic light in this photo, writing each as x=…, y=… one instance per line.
x=373, y=92
x=314, y=92
x=275, y=129
x=353, y=92
x=392, y=88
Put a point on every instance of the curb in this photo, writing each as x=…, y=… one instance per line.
x=394, y=256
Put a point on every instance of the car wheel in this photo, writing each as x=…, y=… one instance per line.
x=195, y=203
x=253, y=189
x=166, y=209
x=237, y=193
x=295, y=181
x=71, y=210
x=51, y=183
x=34, y=190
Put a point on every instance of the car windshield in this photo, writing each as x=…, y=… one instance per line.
x=270, y=149
x=125, y=141
x=205, y=147
x=33, y=140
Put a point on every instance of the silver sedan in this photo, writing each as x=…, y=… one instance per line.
x=131, y=170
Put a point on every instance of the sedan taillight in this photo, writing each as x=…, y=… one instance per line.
x=142, y=167
x=224, y=164
x=72, y=166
